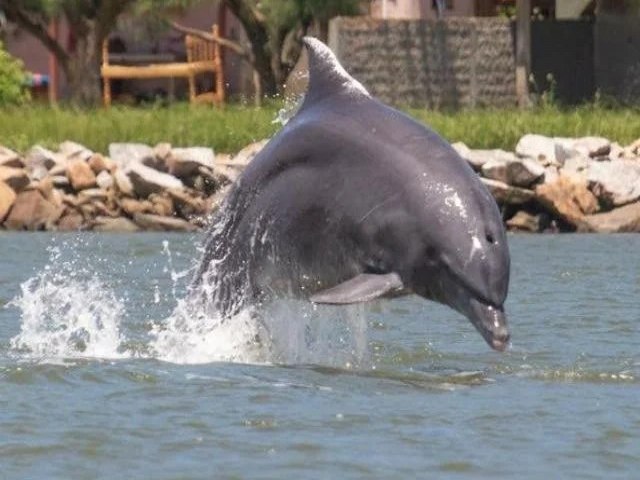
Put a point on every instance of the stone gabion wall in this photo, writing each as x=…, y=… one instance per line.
x=454, y=63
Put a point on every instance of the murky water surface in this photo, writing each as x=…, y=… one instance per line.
x=101, y=376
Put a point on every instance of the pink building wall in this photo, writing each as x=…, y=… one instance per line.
x=417, y=9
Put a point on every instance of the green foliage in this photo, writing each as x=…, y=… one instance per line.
x=289, y=14
x=12, y=77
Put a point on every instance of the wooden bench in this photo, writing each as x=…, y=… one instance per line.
x=203, y=56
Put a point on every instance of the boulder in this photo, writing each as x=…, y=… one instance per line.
x=70, y=221
x=162, y=151
x=45, y=187
x=183, y=162
x=7, y=199
x=31, y=211
x=244, y=156
x=229, y=173
x=9, y=158
x=576, y=167
x=38, y=157
x=618, y=220
x=16, y=178
x=186, y=204
x=506, y=194
x=109, y=224
x=525, y=222
x=60, y=181
x=567, y=199
x=122, y=181
x=125, y=154
x=479, y=158
x=74, y=151
x=461, y=148
x=544, y=149
x=132, y=206
x=80, y=175
x=551, y=174
x=520, y=172
x=100, y=163
x=91, y=194
x=146, y=180
x=592, y=146
x=104, y=180
x=159, y=223
x=616, y=182
x=162, y=204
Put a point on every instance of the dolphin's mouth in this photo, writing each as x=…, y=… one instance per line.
x=491, y=322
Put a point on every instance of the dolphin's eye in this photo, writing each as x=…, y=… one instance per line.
x=430, y=252
x=490, y=238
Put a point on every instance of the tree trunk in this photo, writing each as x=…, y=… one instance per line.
x=83, y=73
x=256, y=29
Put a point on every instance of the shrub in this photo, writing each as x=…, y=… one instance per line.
x=12, y=80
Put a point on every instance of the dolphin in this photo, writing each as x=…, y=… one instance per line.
x=353, y=201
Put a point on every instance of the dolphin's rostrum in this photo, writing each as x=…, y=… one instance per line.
x=353, y=200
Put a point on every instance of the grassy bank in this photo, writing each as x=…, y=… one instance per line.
x=231, y=128
x=503, y=128
x=227, y=129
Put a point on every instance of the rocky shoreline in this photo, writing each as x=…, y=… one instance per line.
x=587, y=184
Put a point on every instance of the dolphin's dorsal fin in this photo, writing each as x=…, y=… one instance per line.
x=326, y=75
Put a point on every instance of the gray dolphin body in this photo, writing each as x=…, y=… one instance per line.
x=352, y=200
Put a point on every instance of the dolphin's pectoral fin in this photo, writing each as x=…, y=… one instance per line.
x=361, y=288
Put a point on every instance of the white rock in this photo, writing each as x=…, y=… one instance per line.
x=577, y=167
x=92, y=194
x=622, y=219
x=146, y=180
x=123, y=183
x=183, y=162
x=521, y=172
x=124, y=154
x=9, y=158
x=551, y=174
x=504, y=193
x=478, y=158
x=461, y=148
x=157, y=222
x=593, y=146
x=104, y=180
x=74, y=151
x=244, y=156
x=616, y=182
x=60, y=181
x=540, y=148
x=39, y=156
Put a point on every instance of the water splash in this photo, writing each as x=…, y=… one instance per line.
x=81, y=305
x=67, y=313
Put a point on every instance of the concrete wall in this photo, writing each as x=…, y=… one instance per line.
x=462, y=62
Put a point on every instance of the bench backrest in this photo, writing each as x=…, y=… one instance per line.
x=200, y=50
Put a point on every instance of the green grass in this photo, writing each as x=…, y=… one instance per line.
x=226, y=130
x=502, y=128
x=234, y=126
